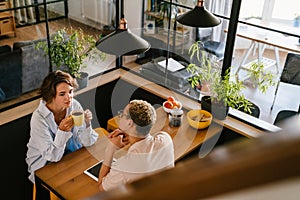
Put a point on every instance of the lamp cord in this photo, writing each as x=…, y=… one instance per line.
x=168, y=42
x=122, y=9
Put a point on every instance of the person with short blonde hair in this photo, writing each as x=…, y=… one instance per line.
x=143, y=114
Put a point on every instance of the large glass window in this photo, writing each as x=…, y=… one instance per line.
x=285, y=11
x=264, y=34
x=272, y=13
x=251, y=9
x=267, y=30
x=166, y=34
x=23, y=25
x=270, y=34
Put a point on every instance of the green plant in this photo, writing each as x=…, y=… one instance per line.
x=69, y=48
x=259, y=77
x=297, y=16
x=225, y=88
x=164, y=8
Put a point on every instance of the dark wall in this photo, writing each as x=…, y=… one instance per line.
x=114, y=96
x=227, y=136
x=14, y=175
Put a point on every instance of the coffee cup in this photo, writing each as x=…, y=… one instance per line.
x=78, y=117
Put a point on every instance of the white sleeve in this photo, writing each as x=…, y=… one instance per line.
x=87, y=136
x=113, y=179
x=41, y=131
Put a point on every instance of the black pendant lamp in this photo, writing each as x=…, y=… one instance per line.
x=199, y=17
x=122, y=42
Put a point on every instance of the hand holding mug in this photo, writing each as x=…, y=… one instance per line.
x=66, y=124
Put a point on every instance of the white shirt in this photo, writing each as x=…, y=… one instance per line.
x=145, y=157
x=48, y=144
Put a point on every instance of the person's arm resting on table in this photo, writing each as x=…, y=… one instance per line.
x=116, y=142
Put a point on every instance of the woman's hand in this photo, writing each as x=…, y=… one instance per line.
x=66, y=124
x=88, y=116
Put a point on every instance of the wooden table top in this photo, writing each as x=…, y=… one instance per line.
x=67, y=180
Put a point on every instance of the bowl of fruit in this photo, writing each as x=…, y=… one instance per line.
x=171, y=103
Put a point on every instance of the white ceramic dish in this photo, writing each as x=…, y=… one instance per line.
x=168, y=110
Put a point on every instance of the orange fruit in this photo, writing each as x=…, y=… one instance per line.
x=168, y=104
x=171, y=99
x=176, y=103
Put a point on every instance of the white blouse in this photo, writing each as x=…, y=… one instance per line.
x=47, y=143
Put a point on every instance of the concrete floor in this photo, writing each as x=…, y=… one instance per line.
x=287, y=98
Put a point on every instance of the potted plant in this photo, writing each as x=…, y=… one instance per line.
x=223, y=91
x=296, y=20
x=164, y=10
x=68, y=50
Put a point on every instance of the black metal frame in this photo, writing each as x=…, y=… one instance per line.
x=233, y=23
x=36, y=5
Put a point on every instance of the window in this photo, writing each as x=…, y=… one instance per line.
x=251, y=9
x=275, y=11
x=271, y=46
x=285, y=10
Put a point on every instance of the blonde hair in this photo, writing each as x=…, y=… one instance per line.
x=143, y=115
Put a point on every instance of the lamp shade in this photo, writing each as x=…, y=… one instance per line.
x=198, y=17
x=122, y=42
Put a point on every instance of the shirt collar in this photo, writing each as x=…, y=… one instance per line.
x=44, y=111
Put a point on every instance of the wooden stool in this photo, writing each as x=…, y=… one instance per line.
x=101, y=131
x=112, y=123
x=52, y=195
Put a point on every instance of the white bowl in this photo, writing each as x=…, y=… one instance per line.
x=168, y=110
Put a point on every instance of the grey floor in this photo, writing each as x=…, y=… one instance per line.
x=287, y=98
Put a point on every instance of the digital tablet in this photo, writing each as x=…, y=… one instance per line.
x=93, y=171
